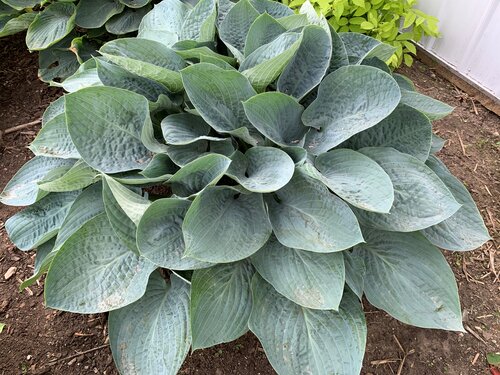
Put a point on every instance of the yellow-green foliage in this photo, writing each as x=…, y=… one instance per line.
x=395, y=22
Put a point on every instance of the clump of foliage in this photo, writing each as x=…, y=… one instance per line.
x=241, y=167
x=380, y=19
x=67, y=33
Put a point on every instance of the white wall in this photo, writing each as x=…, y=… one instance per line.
x=470, y=42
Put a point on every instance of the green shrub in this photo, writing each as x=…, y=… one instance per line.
x=197, y=194
x=67, y=33
x=380, y=19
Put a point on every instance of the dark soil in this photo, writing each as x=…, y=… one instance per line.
x=42, y=341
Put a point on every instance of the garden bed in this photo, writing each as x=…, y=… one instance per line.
x=38, y=341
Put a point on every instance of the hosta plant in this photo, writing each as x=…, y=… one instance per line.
x=68, y=32
x=241, y=167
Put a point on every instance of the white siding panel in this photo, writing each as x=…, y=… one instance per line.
x=470, y=42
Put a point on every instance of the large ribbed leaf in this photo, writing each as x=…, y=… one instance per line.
x=53, y=140
x=464, y=230
x=218, y=94
x=405, y=129
x=146, y=58
x=350, y=100
x=86, y=206
x=421, y=199
x=274, y=8
x=198, y=174
x=261, y=169
x=309, y=279
x=278, y=117
x=234, y=28
x=40, y=222
x=356, y=179
x=79, y=176
x=305, y=215
x=135, y=3
x=267, y=62
x=153, y=335
x=127, y=21
x=199, y=24
x=221, y=302
x=23, y=190
x=105, y=125
x=298, y=340
x=92, y=14
x=263, y=30
x=360, y=47
x=223, y=225
x=184, y=154
x=355, y=270
x=185, y=128
x=164, y=22
x=432, y=108
x=312, y=58
x=21, y=4
x=50, y=26
x=410, y=279
x=14, y=25
x=159, y=235
x=95, y=272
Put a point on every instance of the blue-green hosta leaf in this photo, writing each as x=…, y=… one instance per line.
x=404, y=82
x=80, y=80
x=262, y=31
x=22, y=189
x=135, y=3
x=218, y=94
x=42, y=263
x=16, y=24
x=58, y=61
x=94, y=271
x=309, y=279
x=221, y=302
x=40, y=222
x=308, y=66
x=159, y=235
x=184, y=154
x=92, y=14
x=54, y=109
x=405, y=129
x=410, y=279
x=465, y=229
x=261, y=169
x=146, y=58
x=199, y=24
x=437, y=144
x=355, y=271
x=421, y=199
x=198, y=174
x=50, y=26
x=78, y=177
x=153, y=335
x=127, y=21
x=116, y=76
x=159, y=169
x=224, y=225
x=133, y=204
x=185, y=128
x=298, y=340
x=53, y=140
x=312, y=15
x=233, y=29
x=432, y=108
x=298, y=154
x=86, y=206
x=21, y=4
x=360, y=47
x=350, y=100
x=105, y=124
x=267, y=62
x=294, y=21
x=164, y=23
x=339, y=54
x=273, y=8
x=357, y=179
x=306, y=216
x=377, y=63
x=194, y=51
x=278, y=117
